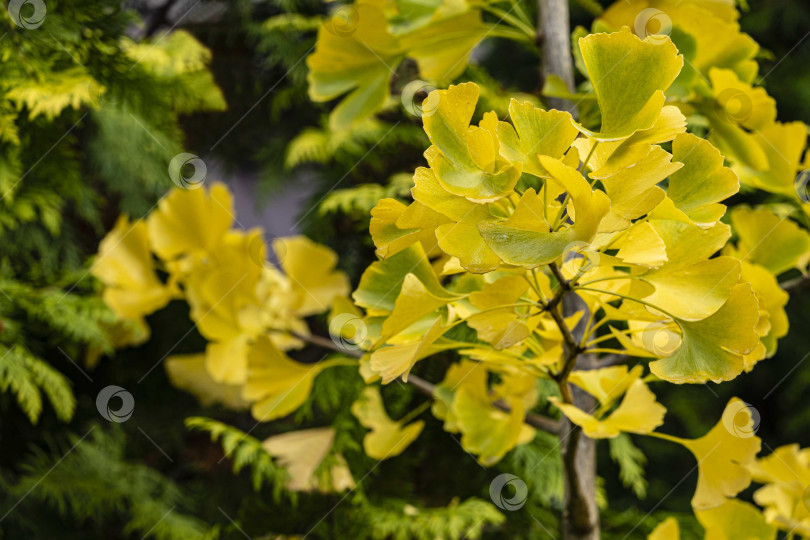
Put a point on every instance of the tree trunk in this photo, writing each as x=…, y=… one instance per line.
x=554, y=33
x=580, y=513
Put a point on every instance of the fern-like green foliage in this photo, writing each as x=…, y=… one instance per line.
x=88, y=481
x=399, y=520
x=631, y=461
x=322, y=145
x=28, y=377
x=244, y=451
x=362, y=198
x=89, y=120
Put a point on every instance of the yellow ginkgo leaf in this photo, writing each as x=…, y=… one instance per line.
x=712, y=349
x=642, y=245
x=441, y=49
x=465, y=241
x=785, y=473
x=428, y=191
x=302, y=452
x=277, y=384
x=618, y=61
x=778, y=148
x=534, y=131
x=638, y=412
x=723, y=456
x=712, y=26
x=521, y=242
x=381, y=282
x=395, y=226
x=606, y=384
x=352, y=54
x=500, y=327
x=467, y=163
x=610, y=157
x=397, y=358
x=227, y=360
x=634, y=191
x=698, y=188
x=768, y=240
x=412, y=304
x=188, y=372
x=465, y=405
x=486, y=430
x=772, y=301
x=188, y=222
x=666, y=530
x=311, y=270
x=691, y=285
x=735, y=520
x=749, y=106
x=387, y=438
x=124, y=264
x=218, y=300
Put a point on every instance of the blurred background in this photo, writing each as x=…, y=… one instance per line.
x=71, y=169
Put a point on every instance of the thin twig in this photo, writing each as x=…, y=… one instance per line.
x=535, y=420
x=796, y=284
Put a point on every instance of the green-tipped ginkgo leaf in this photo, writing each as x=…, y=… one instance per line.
x=387, y=438
x=353, y=54
x=468, y=163
x=382, y=280
x=413, y=303
x=629, y=77
x=712, y=349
